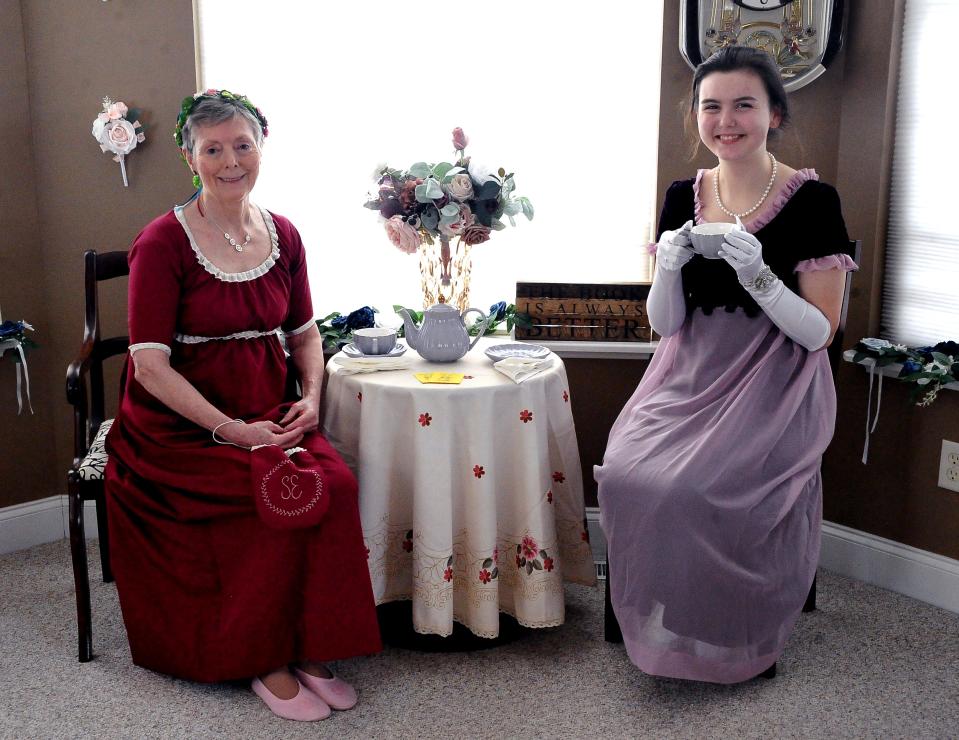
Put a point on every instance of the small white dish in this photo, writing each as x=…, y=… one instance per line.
x=351, y=350
x=516, y=349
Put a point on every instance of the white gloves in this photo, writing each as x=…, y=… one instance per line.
x=796, y=317
x=665, y=304
x=674, y=250
x=744, y=253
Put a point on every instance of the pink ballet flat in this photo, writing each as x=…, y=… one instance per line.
x=306, y=706
x=334, y=691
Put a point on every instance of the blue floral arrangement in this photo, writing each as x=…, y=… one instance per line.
x=926, y=369
x=17, y=331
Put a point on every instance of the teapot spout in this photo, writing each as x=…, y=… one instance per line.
x=410, y=330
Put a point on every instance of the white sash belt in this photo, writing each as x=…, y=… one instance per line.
x=191, y=339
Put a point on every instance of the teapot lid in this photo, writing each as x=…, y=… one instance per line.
x=443, y=308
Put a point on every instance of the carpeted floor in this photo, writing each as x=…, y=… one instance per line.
x=868, y=663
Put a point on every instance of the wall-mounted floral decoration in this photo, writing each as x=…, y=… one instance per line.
x=118, y=131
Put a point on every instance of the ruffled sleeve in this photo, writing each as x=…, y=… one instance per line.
x=841, y=261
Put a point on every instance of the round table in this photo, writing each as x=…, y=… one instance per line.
x=471, y=495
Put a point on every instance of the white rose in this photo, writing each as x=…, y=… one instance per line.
x=98, y=125
x=119, y=138
x=461, y=187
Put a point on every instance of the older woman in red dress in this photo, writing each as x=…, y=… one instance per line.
x=210, y=589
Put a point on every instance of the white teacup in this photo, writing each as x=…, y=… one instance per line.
x=707, y=239
x=377, y=340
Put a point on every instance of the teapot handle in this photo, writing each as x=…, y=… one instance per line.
x=482, y=329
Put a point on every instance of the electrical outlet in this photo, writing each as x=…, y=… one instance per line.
x=949, y=466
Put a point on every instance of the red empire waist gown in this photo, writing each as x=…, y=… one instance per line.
x=208, y=592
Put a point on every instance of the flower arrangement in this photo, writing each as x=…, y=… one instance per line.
x=118, y=130
x=927, y=369
x=13, y=335
x=445, y=200
x=431, y=203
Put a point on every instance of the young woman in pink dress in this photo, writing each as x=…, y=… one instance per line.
x=710, y=489
x=210, y=591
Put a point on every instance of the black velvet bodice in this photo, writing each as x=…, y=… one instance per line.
x=809, y=225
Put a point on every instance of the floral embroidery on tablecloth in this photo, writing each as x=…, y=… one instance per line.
x=479, y=471
x=558, y=476
x=525, y=416
x=425, y=419
x=531, y=557
x=566, y=396
x=549, y=496
x=408, y=541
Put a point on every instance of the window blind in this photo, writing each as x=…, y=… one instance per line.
x=920, y=302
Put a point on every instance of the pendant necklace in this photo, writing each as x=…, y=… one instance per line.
x=762, y=199
x=226, y=235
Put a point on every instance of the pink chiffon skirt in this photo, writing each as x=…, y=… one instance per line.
x=711, y=497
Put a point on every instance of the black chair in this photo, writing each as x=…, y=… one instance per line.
x=85, y=392
x=611, y=629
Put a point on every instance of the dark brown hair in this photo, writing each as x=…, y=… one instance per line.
x=734, y=59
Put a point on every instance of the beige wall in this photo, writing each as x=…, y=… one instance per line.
x=61, y=195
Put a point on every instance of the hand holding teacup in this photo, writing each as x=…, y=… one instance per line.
x=743, y=252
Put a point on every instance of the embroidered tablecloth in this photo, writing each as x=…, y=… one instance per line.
x=471, y=495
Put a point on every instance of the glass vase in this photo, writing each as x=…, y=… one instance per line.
x=445, y=273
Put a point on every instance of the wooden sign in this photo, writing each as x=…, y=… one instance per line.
x=588, y=312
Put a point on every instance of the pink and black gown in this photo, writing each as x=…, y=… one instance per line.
x=208, y=592
x=710, y=489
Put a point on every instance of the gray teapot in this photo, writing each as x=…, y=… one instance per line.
x=442, y=335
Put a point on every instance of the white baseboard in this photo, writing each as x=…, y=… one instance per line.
x=888, y=564
x=38, y=522
x=866, y=557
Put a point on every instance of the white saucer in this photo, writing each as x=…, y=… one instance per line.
x=351, y=350
x=525, y=351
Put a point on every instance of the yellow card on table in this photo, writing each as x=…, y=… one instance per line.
x=446, y=378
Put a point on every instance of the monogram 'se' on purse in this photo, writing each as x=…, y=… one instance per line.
x=288, y=486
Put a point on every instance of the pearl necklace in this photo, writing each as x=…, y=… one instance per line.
x=762, y=199
x=226, y=235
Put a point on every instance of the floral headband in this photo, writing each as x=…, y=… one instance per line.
x=190, y=102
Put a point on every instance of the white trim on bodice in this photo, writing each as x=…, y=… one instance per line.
x=193, y=339
x=234, y=277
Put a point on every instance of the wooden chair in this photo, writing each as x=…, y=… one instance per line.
x=611, y=629
x=85, y=392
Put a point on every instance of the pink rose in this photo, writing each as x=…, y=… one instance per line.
x=404, y=237
x=461, y=187
x=122, y=137
x=460, y=140
x=116, y=110
x=476, y=234
x=457, y=227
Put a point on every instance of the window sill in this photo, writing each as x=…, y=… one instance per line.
x=601, y=350
x=890, y=371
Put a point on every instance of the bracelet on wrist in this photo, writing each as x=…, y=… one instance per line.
x=224, y=423
x=762, y=282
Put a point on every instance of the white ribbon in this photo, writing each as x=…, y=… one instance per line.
x=26, y=376
x=869, y=431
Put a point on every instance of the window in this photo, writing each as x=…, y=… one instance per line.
x=565, y=98
x=920, y=293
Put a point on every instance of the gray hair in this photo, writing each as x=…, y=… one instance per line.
x=213, y=111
